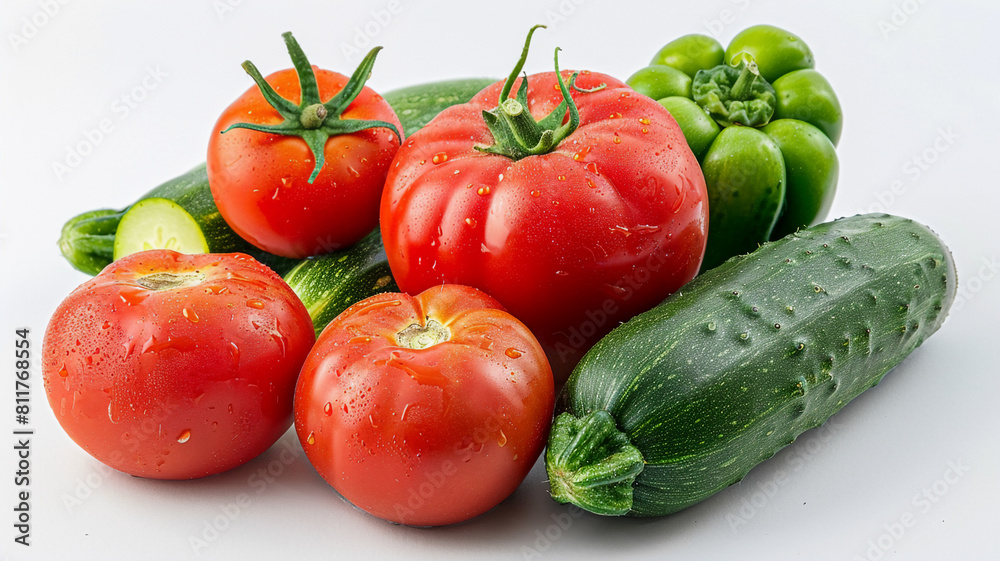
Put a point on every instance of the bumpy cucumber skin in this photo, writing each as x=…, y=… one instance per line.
x=743, y=359
x=329, y=284
x=417, y=105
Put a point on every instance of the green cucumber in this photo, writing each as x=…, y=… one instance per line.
x=417, y=105
x=87, y=240
x=327, y=285
x=683, y=400
x=158, y=223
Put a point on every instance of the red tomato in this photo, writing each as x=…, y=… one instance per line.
x=176, y=366
x=261, y=180
x=425, y=410
x=571, y=242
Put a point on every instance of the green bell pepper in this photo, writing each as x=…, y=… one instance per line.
x=764, y=126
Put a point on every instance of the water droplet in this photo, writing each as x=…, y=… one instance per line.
x=615, y=291
x=311, y=439
x=562, y=274
x=644, y=120
x=644, y=130
x=184, y=436
x=234, y=353
x=215, y=426
x=471, y=222
x=439, y=158
x=617, y=139
x=615, y=115
x=353, y=172
x=255, y=304
x=484, y=190
x=230, y=407
x=536, y=193
x=63, y=372
x=328, y=409
x=710, y=326
x=422, y=162
x=513, y=353
x=190, y=315
x=582, y=153
x=360, y=340
x=592, y=168
x=502, y=439
x=561, y=178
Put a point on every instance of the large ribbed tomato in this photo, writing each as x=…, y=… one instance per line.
x=603, y=225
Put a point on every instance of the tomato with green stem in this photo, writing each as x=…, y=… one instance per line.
x=564, y=195
x=298, y=176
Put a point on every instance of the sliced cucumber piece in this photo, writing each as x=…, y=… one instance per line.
x=158, y=223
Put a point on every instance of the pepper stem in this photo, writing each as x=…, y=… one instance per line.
x=313, y=120
x=742, y=90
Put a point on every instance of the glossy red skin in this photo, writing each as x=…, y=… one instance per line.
x=571, y=242
x=260, y=181
x=129, y=372
x=432, y=436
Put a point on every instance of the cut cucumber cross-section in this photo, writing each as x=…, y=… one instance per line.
x=158, y=224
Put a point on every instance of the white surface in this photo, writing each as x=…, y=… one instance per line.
x=838, y=493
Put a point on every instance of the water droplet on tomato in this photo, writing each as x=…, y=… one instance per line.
x=617, y=139
x=615, y=291
x=582, y=153
x=353, y=172
x=190, y=315
x=513, y=353
x=561, y=178
x=502, y=439
x=615, y=115
x=311, y=439
x=644, y=120
x=184, y=436
x=536, y=193
x=361, y=340
x=592, y=168
x=133, y=295
x=562, y=274
x=215, y=426
x=471, y=222
x=255, y=304
x=63, y=371
x=484, y=190
x=440, y=158
x=230, y=407
x=234, y=353
x=328, y=409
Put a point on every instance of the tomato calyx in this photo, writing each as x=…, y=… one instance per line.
x=516, y=133
x=313, y=120
x=735, y=95
x=170, y=281
x=416, y=336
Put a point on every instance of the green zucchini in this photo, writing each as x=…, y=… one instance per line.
x=417, y=105
x=329, y=284
x=683, y=400
x=87, y=240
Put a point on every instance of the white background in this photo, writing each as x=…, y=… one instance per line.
x=918, y=83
